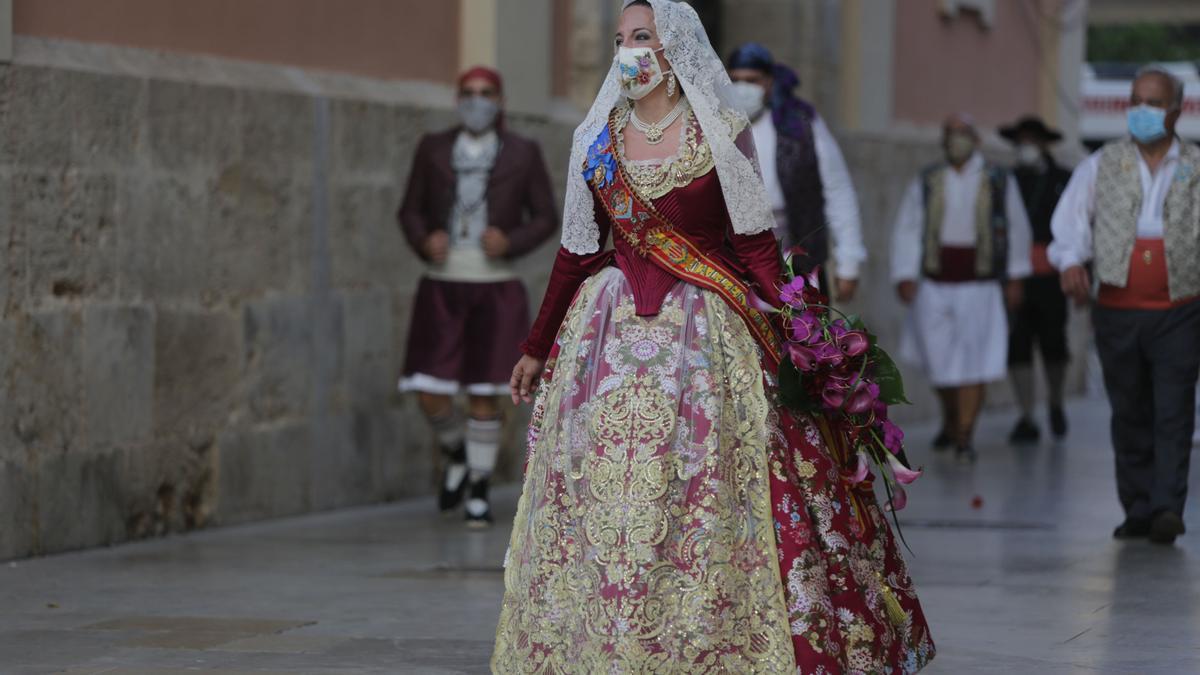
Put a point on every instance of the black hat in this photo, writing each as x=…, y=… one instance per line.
x=1031, y=124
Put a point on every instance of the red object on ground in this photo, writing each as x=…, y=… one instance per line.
x=977, y=502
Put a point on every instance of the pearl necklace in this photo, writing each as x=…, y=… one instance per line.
x=654, y=131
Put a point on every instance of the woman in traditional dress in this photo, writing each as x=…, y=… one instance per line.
x=675, y=517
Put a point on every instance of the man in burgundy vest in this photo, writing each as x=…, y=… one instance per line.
x=1132, y=209
x=478, y=198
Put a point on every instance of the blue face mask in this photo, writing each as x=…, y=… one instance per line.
x=1146, y=123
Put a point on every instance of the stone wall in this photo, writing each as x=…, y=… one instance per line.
x=206, y=299
x=205, y=303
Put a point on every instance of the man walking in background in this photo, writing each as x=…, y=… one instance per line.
x=478, y=197
x=960, y=248
x=1042, y=317
x=1133, y=210
x=806, y=176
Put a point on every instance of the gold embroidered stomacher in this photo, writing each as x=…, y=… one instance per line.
x=653, y=179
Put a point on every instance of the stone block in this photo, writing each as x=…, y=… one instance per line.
x=277, y=131
x=165, y=253
x=264, y=473
x=118, y=374
x=279, y=362
x=37, y=117
x=79, y=499
x=367, y=246
x=43, y=383
x=341, y=460
x=191, y=125
x=13, y=258
x=168, y=485
x=197, y=371
x=258, y=242
x=403, y=454
x=69, y=230
x=367, y=137
x=18, y=536
x=369, y=345
x=108, y=118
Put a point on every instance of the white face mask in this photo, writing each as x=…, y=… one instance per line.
x=959, y=147
x=640, y=72
x=747, y=97
x=477, y=113
x=1029, y=155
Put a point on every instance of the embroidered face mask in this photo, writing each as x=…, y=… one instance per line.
x=640, y=72
x=477, y=113
x=1146, y=123
x=747, y=97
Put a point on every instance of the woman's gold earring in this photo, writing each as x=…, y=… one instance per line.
x=670, y=84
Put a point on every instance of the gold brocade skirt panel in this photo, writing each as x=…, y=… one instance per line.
x=644, y=539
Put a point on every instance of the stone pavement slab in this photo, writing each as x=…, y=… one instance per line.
x=1013, y=559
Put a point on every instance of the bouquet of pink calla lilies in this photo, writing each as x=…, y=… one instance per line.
x=834, y=366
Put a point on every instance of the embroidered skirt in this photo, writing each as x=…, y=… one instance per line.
x=674, y=521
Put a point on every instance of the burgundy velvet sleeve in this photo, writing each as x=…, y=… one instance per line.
x=412, y=212
x=569, y=273
x=759, y=255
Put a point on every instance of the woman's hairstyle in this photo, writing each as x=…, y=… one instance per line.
x=639, y=3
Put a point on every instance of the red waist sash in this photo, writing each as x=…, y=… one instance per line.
x=653, y=236
x=1147, y=287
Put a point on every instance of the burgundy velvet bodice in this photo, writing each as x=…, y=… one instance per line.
x=698, y=212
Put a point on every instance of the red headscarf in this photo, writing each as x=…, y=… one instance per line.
x=483, y=73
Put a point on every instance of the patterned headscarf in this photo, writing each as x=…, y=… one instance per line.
x=791, y=115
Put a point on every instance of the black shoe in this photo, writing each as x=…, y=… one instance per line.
x=479, y=510
x=1058, y=422
x=451, y=495
x=1165, y=527
x=1132, y=528
x=965, y=454
x=942, y=441
x=1024, y=433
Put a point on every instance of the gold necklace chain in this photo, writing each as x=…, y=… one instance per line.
x=655, y=131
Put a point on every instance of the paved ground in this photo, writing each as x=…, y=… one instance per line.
x=1029, y=582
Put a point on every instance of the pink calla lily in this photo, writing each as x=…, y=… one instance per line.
x=864, y=396
x=899, y=500
x=802, y=357
x=903, y=474
x=862, y=470
x=853, y=343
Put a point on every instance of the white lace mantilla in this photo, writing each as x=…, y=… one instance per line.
x=702, y=76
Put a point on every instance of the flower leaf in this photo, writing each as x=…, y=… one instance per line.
x=888, y=377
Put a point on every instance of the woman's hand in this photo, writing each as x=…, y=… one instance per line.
x=525, y=379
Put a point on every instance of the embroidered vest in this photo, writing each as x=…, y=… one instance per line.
x=991, y=221
x=800, y=175
x=1119, y=203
